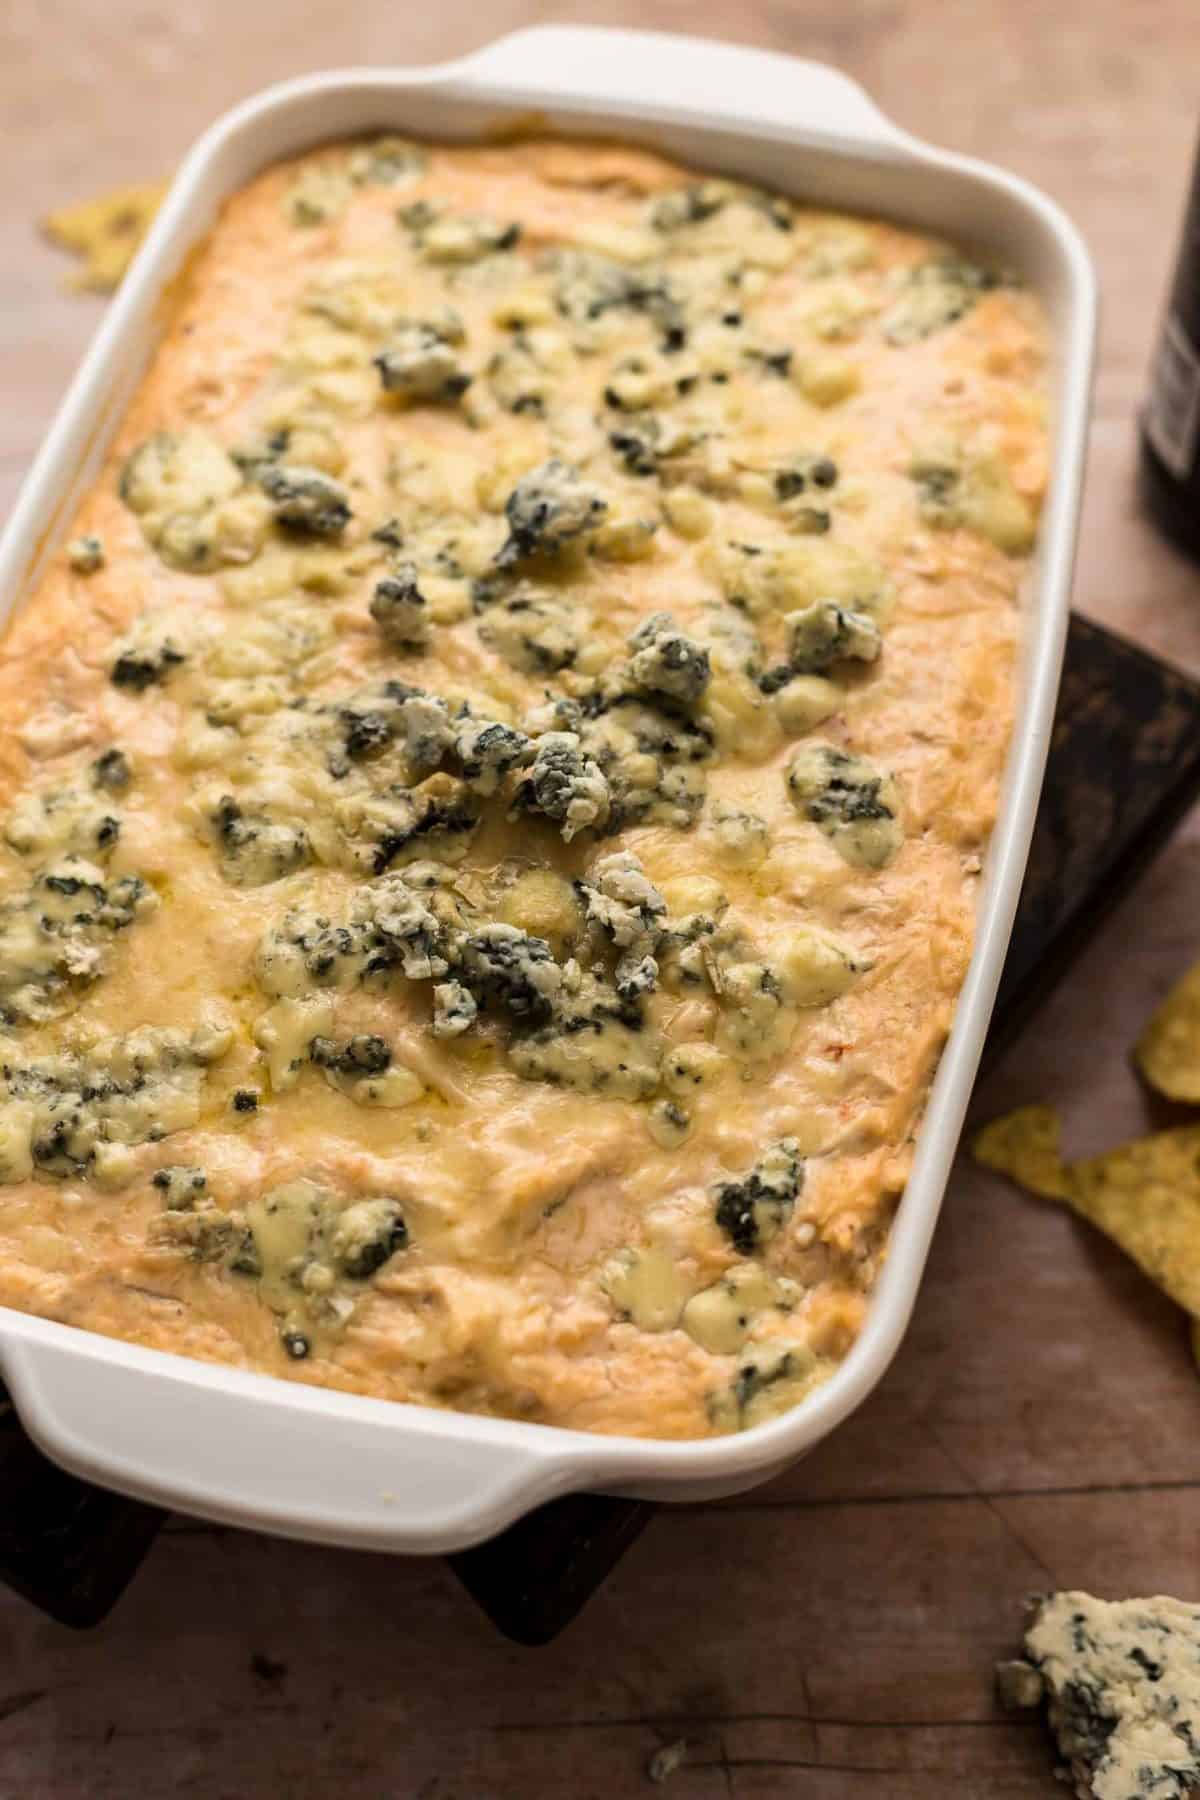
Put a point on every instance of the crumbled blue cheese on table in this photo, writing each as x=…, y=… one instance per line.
x=1122, y=1682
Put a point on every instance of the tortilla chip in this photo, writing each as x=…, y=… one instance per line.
x=105, y=232
x=1024, y=1145
x=1145, y=1196
x=1168, y=1051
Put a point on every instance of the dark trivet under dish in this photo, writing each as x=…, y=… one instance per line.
x=1124, y=766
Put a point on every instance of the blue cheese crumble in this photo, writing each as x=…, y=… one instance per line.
x=420, y=363
x=564, y=785
x=1121, y=1679
x=550, y=508
x=856, y=805
x=84, y=1114
x=56, y=938
x=666, y=661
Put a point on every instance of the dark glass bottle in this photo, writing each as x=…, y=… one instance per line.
x=1170, y=425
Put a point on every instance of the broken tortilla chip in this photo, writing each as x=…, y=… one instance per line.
x=1168, y=1051
x=1024, y=1145
x=105, y=232
x=1144, y=1195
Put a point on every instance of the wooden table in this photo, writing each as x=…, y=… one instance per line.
x=831, y=1635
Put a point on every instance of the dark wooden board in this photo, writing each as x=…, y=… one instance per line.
x=67, y=1545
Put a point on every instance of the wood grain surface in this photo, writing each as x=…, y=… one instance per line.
x=831, y=1635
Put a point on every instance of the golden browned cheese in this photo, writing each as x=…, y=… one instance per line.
x=494, y=789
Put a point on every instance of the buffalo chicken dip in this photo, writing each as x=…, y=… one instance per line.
x=493, y=788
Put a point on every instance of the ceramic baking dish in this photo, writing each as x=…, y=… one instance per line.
x=284, y=1457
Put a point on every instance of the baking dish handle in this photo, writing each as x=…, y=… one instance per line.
x=268, y=1455
x=674, y=73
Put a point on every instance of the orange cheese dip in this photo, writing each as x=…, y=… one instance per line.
x=493, y=790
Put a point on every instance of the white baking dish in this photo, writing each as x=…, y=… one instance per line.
x=288, y=1458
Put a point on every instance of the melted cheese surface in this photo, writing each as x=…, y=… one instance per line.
x=494, y=789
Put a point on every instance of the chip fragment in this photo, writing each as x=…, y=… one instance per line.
x=105, y=232
x=1024, y=1145
x=1144, y=1195
x=1168, y=1051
